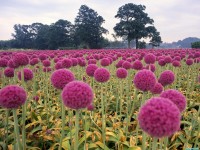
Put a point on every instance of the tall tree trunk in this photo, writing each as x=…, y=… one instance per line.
x=129, y=43
x=136, y=42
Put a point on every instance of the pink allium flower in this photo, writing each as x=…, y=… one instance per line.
x=137, y=65
x=82, y=63
x=102, y=75
x=3, y=62
x=168, y=59
x=34, y=61
x=92, y=61
x=20, y=59
x=151, y=67
x=91, y=69
x=66, y=63
x=74, y=62
x=119, y=64
x=58, y=65
x=28, y=74
x=105, y=62
x=9, y=72
x=11, y=64
x=176, y=97
x=167, y=77
x=176, y=63
x=12, y=96
x=90, y=107
x=56, y=60
x=43, y=57
x=46, y=69
x=61, y=77
x=161, y=62
x=150, y=58
x=157, y=89
x=178, y=58
x=36, y=98
x=159, y=117
x=77, y=95
x=144, y=80
x=121, y=73
x=46, y=63
x=126, y=65
x=189, y=62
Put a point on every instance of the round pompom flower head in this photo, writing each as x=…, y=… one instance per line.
x=189, y=62
x=159, y=117
x=150, y=58
x=144, y=80
x=105, y=62
x=66, y=63
x=46, y=63
x=167, y=77
x=127, y=65
x=137, y=65
x=121, y=73
x=176, y=63
x=12, y=96
x=91, y=69
x=102, y=75
x=77, y=95
x=9, y=72
x=176, y=97
x=157, y=89
x=21, y=59
x=3, y=62
x=28, y=74
x=61, y=77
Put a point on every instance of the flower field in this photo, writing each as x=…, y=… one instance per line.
x=100, y=99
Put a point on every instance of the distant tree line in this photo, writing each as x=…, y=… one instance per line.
x=195, y=44
x=87, y=31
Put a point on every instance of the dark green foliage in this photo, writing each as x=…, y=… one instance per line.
x=134, y=23
x=88, y=28
x=155, y=39
x=142, y=44
x=195, y=44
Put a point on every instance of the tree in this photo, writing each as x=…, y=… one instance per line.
x=41, y=41
x=195, y=44
x=88, y=28
x=155, y=39
x=59, y=34
x=142, y=44
x=134, y=23
x=23, y=36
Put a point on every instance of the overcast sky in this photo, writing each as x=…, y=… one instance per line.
x=174, y=19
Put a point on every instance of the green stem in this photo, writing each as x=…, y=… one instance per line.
x=85, y=127
x=154, y=144
x=63, y=124
x=77, y=130
x=23, y=126
x=16, y=129
x=143, y=140
x=143, y=133
x=195, y=144
x=103, y=117
x=120, y=100
x=165, y=143
x=6, y=126
x=23, y=113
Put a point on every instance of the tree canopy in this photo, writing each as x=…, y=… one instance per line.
x=134, y=23
x=88, y=28
x=195, y=44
